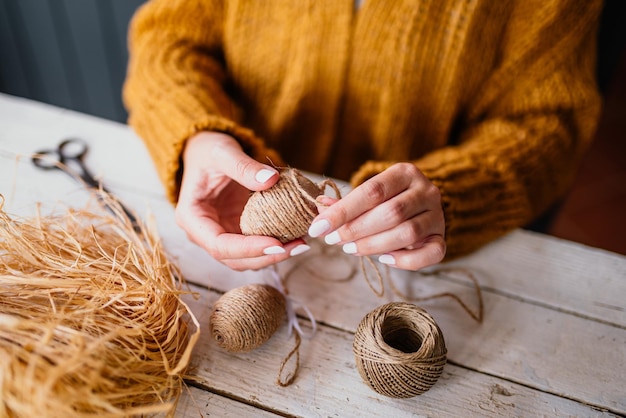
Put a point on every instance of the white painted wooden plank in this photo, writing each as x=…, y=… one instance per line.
x=195, y=403
x=526, y=342
x=27, y=124
x=530, y=344
x=551, y=271
x=329, y=384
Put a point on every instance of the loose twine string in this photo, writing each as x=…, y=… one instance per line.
x=381, y=279
x=387, y=365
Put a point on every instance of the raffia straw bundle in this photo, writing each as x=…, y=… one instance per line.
x=91, y=320
x=284, y=211
x=399, y=350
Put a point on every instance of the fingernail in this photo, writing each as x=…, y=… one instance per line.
x=264, y=175
x=349, y=248
x=302, y=248
x=274, y=250
x=324, y=200
x=387, y=259
x=332, y=238
x=318, y=228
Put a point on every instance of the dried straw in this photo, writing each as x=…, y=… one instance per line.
x=91, y=319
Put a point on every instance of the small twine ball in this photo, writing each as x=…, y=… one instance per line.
x=246, y=317
x=399, y=350
x=284, y=211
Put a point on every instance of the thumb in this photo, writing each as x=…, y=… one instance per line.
x=228, y=157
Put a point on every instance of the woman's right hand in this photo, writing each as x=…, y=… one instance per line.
x=216, y=183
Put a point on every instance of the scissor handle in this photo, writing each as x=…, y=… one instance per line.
x=72, y=149
x=67, y=150
x=47, y=160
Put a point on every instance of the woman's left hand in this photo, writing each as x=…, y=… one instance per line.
x=396, y=214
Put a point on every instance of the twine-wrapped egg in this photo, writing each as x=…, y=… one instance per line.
x=399, y=350
x=284, y=211
x=246, y=317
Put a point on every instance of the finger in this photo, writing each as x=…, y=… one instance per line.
x=323, y=202
x=249, y=263
x=226, y=247
x=223, y=153
x=234, y=246
x=368, y=195
x=252, y=263
x=431, y=252
x=205, y=231
x=388, y=215
x=229, y=158
x=222, y=245
x=255, y=263
x=241, y=252
x=413, y=232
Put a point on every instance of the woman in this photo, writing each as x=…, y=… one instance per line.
x=455, y=120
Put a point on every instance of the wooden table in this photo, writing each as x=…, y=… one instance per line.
x=552, y=343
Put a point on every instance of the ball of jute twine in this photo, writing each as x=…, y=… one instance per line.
x=246, y=317
x=399, y=350
x=284, y=211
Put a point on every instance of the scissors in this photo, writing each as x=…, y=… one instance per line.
x=69, y=158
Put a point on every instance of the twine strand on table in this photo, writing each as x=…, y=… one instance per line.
x=381, y=279
x=293, y=328
x=326, y=254
x=292, y=304
x=476, y=315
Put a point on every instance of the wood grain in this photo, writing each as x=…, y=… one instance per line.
x=551, y=344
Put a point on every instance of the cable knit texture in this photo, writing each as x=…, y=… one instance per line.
x=495, y=101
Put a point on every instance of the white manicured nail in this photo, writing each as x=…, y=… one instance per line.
x=349, y=248
x=387, y=259
x=264, y=175
x=332, y=238
x=274, y=250
x=302, y=248
x=318, y=228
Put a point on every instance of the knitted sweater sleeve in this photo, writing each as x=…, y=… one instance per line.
x=180, y=87
x=525, y=131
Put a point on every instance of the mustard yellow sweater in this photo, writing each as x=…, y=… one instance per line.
x=495, y=101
